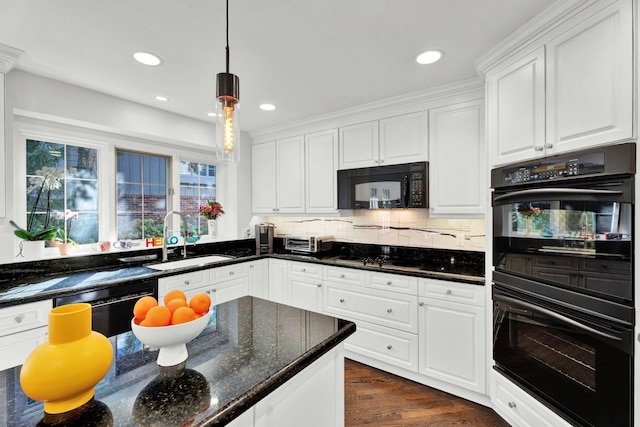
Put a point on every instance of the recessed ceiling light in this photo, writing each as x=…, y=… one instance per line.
x=267, y=107
x=162, y=98
x=147, y=58
x=429, y=57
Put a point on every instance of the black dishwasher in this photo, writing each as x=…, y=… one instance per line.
x=112, y=306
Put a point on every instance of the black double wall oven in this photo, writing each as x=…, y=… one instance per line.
x=563, y=297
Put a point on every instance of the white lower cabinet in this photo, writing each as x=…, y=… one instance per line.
x=520, y=409
x=259, y=278
x=221, y=284
x=312, y=398
x=452, y=334
x=22, y=329
x=391, y=346
x=278, y=280
x=304, y=286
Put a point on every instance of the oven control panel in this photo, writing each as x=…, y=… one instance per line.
x=556, y=168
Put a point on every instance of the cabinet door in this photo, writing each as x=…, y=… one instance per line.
x=590, y=81
x=321, y=161
x=458, y=168
x=259, y=279
x=305, y=293
x=229, y=290
x=15, y=348
x=263, y=177
x=452, y=343
x=278, y=280
x=3, y=205
x=359, y=146
x=516, y=110
x=290, y=175
x=403, y=139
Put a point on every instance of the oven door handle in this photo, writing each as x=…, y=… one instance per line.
x=103, y=303
x=557, y=191
x=558, y=317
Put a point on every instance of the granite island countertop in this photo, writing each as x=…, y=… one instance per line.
x=251, y=347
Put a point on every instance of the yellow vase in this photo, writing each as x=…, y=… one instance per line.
x=63, y=371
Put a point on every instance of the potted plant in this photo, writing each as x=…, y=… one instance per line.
x=48, y=179
x=211, y=211
x=66, y=243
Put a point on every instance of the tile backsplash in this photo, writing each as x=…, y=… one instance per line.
x=395, y=227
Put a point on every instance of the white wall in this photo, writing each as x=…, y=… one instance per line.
x=36, y=99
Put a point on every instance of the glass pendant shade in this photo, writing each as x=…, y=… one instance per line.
x=227, y=106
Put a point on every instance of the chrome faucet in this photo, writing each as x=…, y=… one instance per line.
x=164, y=235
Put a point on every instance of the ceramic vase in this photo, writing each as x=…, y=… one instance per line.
x=65, y=248
x=212, y=226
x=32, y=249
x=63, y=371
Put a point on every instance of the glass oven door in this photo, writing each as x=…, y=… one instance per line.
x=576, y=237
x=578, y=365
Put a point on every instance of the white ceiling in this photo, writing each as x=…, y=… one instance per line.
x=309, y=57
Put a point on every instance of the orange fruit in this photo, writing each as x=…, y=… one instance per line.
x=183, y=315
x=175, y=304
x=159, y=315
x=200, y=303
x=142, y=306
x=174, y=293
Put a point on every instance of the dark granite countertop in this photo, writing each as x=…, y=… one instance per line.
x=252, y=347
x=28, y=282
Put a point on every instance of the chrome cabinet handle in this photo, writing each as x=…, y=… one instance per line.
x=537, y=148
x=341, y=299
x=207, y=291
x=304, y=269
x=18, y=319
x=389, y=283
x=448, y=292
x=186, y=282
x=342, y=276
x=231, y=273
x=512, y=405
x=319, y=285
x=389, y=310
x=421, y=304
x=389, y=347
x=548, y=145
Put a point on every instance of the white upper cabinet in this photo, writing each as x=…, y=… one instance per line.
x=458, y=160
x=390, y=141
x=3, y=205
x=278, y=176
x=515, y=103
x=575, y=91
x=403, y=139
x=359, y=146
x=590, y=81
x=321, y=165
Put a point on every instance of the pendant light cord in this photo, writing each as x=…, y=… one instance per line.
x=227, y=48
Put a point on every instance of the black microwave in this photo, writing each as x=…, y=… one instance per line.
x=382, y=187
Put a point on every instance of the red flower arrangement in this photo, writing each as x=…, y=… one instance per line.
x=212, y=210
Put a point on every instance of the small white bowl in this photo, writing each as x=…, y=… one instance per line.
x=172, y=339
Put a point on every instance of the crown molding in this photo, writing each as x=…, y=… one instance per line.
x=534, y=30
x=388, y=107
x=8, y=57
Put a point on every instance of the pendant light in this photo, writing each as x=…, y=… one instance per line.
x=227, y=105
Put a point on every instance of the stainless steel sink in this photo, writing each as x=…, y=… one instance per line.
x=190, y=262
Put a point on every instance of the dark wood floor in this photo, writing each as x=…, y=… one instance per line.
x=377, y=398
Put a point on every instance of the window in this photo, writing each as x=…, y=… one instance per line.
x=143, y=194
x=197, y=187
x=70, y=177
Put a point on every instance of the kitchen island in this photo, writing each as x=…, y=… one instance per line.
x=257, y=363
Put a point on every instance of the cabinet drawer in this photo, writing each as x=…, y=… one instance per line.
x=15, y=348
x=229, y=272
x=379, y=307
x=184, y=282
x=452, y=291
x=24, y=317
x=304, y=269
x=348, y=276
x=394, y=282
x=230, y=290
x=520, y=409
x=388, y=345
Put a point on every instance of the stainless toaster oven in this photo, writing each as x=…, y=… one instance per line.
x=309, y=244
